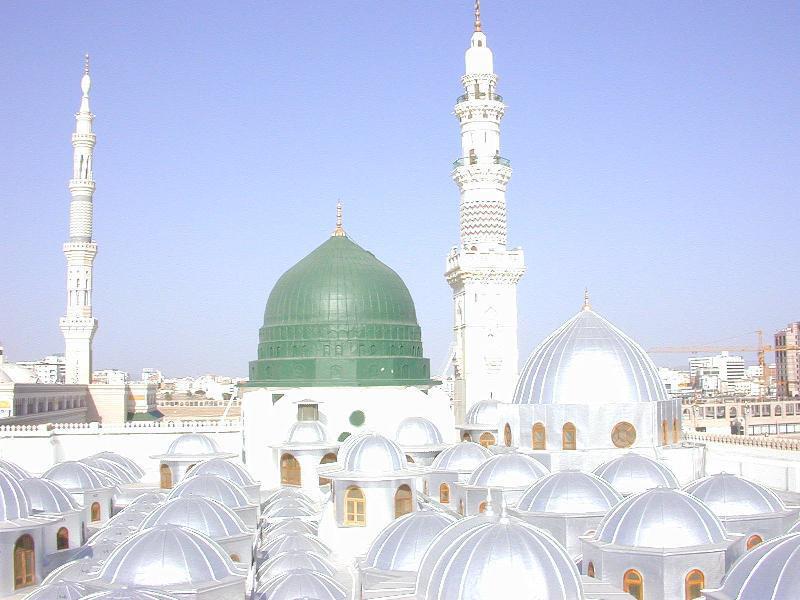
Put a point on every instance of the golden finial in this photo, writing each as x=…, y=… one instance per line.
x=339, y=231
x=86, y=63
x=477, y=15
x=586, y=305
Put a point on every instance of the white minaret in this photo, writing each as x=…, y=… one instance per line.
x=482, y=272
x=78, y=326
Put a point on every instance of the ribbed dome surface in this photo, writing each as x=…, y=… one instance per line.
x=112, y=469
x=417, y=431
x=289, y=561
x=131, y=517
x=64, y=590
x=588, y=361
x=482, y=413
x=288, y=492
x=569, y=492
x=137, y=594
x=661, y=518
x=402, y=544
x=374, y=453
x=496, y=557
x=294, y=542
x=77, y=476
x=201, y=514
x=14, y=469
x=122, y=461
x=731, y=496
x=340, y=317
x=14, y=504
x=47, y=496
x=193, y=444
x=225, y=469
x=633, y=473
x=300, y=585
x=214, y=487
x=307, y=432
x=512, y=470
x=463, y=457
x=280, y=528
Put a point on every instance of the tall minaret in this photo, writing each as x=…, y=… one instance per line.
x=482, y=272
x=78, y=326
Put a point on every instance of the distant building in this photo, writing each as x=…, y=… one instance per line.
x=718, y=373
x=111, y=377
x=150, y=375
x=787, y=361
x=676, y=382
x=50, y=369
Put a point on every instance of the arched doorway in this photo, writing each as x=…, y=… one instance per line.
x=664, y=440
x=444, y=493
x=483, y=506
x=329, y=458
x=62, y=538
x=590, y=569
x=753, y=541
x=538, y=437
x=695, y=582
x=633, y=583
x=461, y=507
x=507, y=435
x=569, y=437
x=355, y=507
x=676, y=431
x=290, y=470
x=24, y=562
x=166, y=477
x=95, y=512
x=403, y=501
x=487, y=439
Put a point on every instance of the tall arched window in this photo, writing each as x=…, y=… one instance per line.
x=24, y=562
x=676, y=431
x=538, y=437
x=483, y=506
x=466, y=437
x=569, y=437
x=62, y=538
x=166, y=477
x=355, y=507
x=329, y=458
x=664, y=439
x=633, y=583
x=590, y=569
x=507, y=435
x=487, y=439
x=695, y=582
x=753, y=541
x=290, y=470
x=444, y=493
x=95, y=512
x=403, y=501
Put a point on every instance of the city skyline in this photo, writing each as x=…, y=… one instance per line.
x=181, y=283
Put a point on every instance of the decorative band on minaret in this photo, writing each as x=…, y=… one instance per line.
x=79, y=325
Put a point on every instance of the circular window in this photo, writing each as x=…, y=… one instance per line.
x=623, y=435
x=343, y=436
x=357, y=418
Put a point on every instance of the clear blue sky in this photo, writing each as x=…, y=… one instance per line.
x=655, y=148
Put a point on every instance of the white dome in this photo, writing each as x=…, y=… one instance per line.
x=47, y=496
x=11, y=373
x=201, y=514
x=373, y=453
x=511, y=470
x=64, y=590
x=111, y=469
x=14, y=469
x=661, y=518
x=463, y=457
x=569, y=492
x=125, y=594
x=77, y=477
x=307, y=432
x=417, y=431
x=483, y=413
x=284, y=503
x=149, y=499
x=300, y=584
x=78, y=571
x=116, y=534
x=14, y=503
x=489, y=556
x=290, y=561
x=588, y=361
x=214, y=487
x=286, y=527
x=288, y=492
x=770, y=570
x=122, y=461
x=633, y=473
x=224, y=468
x=730, y=496
x=294, y=542
x=192, y=444
x=401, y=545
x=288, y=512
x=167, y=556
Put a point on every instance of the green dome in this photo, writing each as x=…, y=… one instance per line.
x=340, y=317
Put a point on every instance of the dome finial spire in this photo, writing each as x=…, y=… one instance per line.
x=339, y=231
x=586, y=304
x=477, y=15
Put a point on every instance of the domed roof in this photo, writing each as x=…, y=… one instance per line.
x=114, y=533
x=126, y=594
x=731, y=496
x=417, y=432
x=463, y=457
x=77, y=476
x=224, y=468
x=76, y=571
x=373, y=453
x=294, y=542
x=12, y=373
x=490, y=556
x=179, y=557
x=14, y=503
x=214, y=487
x=193, y=444
x=632, y=473
x=14, y=469
x=569, y=492
x=661, y=518
x=773, y=565
x=340, y=292
x=511, y=470
x=588, y=361
x=122, y=461
x=209, y=517
x=289, y=561
x=307, y=432
x=300, y=584
x=64, y=590
x=283, y=503
x=401, y=545
x=288, y=492
x=47, y=496
x=280, y=528
x=148, y=499
x=110, y=468
x=483, y=413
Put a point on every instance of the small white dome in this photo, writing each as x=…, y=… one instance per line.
x=401, y=545
x=483, y=413
x=47, y=496
x=224, y=468
x=661, y=518
x=569, y=492
x=167, y=556
x=290, y=561
x=288, y=492
x=12, y=373
x=288, y=512
x=111, y=469
x=463, y=457
x=126, y=594
x=287, y=527
x=192, y=444
x=77, y=477
x=14, y=503
x=77, y=571
x=284, y=503
x=300, y=584
x=730, y=496
x=122, y=461
x=294, y=542
x=116, y=534
x=14, y=469
x=511, y=470
x=373, y=453
x=490, y=556
x=214, y=487
x=131, y=517
x=417, y=431
x=633, y=473
x=307, y=432
x=149, y=499
x=64, y=590
x=201, y=514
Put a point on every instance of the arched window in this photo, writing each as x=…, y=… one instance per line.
x=235, y=558
x=166, y=477
x=633, y=583
x=24, y=562
x=695, y=582
x=487, y=439
x=569, y=437
x=355, y=507
x=507, y=435
x=403, y=501
x=329, y=458
x=95, y=510
x=623, y=435
x=538, y=437
x=676, y=431
x=62, y=539
x=461, y=507
x=664, y=439
x=753, y=541
x=444, y=493
x=290, y=470
x=590, y=569
x=466, y=437
x=483, y=506
x=778, y=410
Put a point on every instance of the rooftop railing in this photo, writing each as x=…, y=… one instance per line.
x=481, y=96
x=481, y=160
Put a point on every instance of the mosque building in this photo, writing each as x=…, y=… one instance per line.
x=352, y=475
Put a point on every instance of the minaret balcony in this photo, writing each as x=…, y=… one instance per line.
x=479, y=97
x=494, y=159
